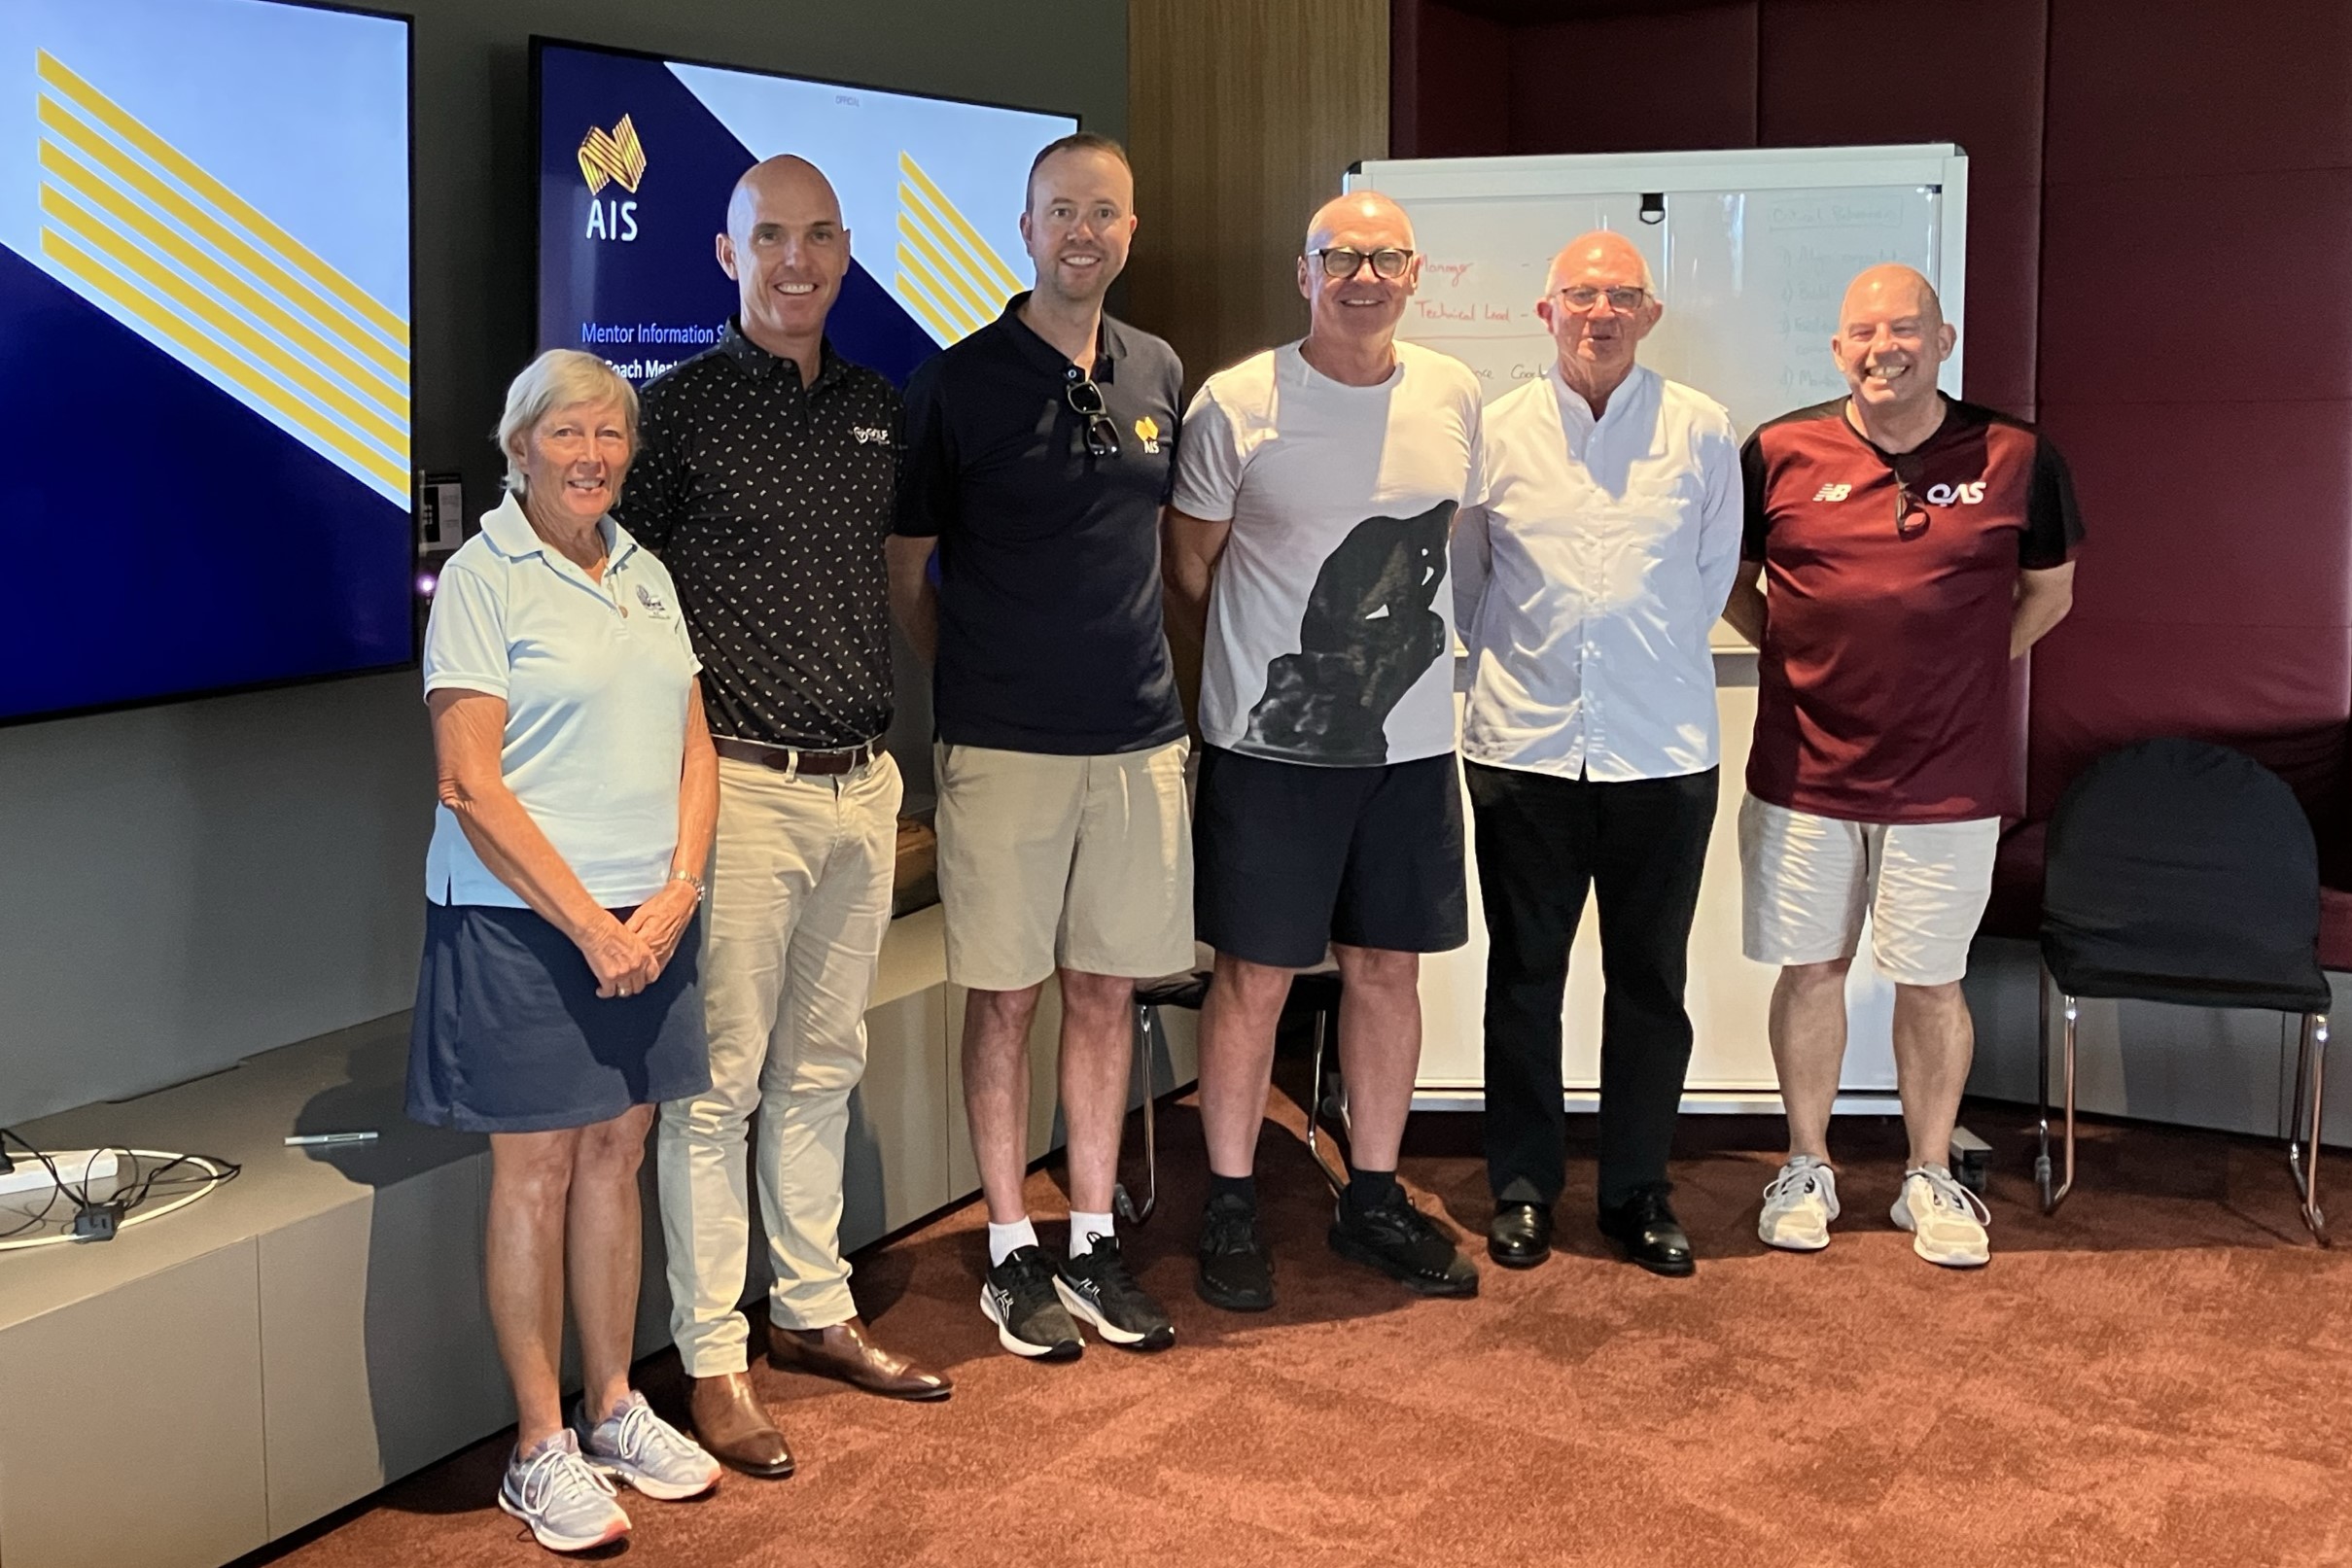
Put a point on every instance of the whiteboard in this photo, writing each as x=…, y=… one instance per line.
x=1752, y=251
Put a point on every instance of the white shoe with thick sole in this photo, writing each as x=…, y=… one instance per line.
x=1797, y=1206
x=1945, y=1220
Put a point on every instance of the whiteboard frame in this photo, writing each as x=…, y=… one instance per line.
x=1943, y=165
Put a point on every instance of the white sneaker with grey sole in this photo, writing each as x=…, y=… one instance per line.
x=1798, y=1205
x=1945, y=1220
x=568, y=1506
x=636, y=1446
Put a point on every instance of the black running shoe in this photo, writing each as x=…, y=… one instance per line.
x=1403, y=1243
x=1018, y=1297
x=1097, y=1287
x=1236, y=1271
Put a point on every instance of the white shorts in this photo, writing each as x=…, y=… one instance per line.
x=1806, y=880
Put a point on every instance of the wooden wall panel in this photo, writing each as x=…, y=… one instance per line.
x=1243, y=115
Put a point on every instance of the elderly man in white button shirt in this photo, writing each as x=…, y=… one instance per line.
x=1586, y=587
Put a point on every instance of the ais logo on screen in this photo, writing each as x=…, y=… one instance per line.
x=613, y=157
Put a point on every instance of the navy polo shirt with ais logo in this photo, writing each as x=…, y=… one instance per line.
x=1050, y=635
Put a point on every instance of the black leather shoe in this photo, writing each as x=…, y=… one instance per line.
x=1646, y=1227
x=1519, y=1235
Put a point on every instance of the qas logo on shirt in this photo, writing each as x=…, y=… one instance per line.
x=1960, y=495
x=613, y=157
x=1148, y=428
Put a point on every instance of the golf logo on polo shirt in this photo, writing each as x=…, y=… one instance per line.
x=653, y=603
x=613, y=157
x=1963, y=495
x=1149, y=429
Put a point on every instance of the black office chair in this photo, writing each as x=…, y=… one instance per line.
x=2180, y=871
x=1151, y=1041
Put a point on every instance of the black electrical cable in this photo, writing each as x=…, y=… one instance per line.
x=126, y=1198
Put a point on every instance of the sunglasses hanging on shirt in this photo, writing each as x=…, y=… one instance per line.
x=1086, y=401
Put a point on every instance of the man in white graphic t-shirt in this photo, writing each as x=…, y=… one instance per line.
x=1315, y=491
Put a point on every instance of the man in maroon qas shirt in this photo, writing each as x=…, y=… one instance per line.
x=1912, y=546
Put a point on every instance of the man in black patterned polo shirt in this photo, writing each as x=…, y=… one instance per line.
x=765, y=480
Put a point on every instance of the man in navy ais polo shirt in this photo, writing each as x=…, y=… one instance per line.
x=1039, y=456
x=1913, y=546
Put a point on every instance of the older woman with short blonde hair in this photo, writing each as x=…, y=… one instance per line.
x=559, y=1001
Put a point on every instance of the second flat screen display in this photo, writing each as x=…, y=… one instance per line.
x=637, y=158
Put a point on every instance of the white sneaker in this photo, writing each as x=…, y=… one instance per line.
x=568, y=1506
x=636, y=1446
x=1946, y=1221
x=1798, y=1206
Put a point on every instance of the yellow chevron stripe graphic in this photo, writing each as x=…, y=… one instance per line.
x=62, y=80
x=948, y=275
x=933, y=301
x=203, y=225
x=129, y=216
x=976, y=248
x=224, y=323
x=149, y=231
x=58, y=248
x=612, y=157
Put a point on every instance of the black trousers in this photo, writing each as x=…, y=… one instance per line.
x=1639, y=846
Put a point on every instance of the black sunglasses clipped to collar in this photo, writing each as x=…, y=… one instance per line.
x=1086, y=401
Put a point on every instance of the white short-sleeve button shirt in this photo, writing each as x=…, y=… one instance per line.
x=596, y=676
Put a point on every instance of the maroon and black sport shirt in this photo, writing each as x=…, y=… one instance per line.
x=1882, y=689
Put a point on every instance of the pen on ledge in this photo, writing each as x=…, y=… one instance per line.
x=308, y=1139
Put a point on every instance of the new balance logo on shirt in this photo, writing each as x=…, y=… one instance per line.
x=1833, y=492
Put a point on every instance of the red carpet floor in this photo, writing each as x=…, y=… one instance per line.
x=2159, y=1376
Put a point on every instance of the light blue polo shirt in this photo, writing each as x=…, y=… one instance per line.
x=596, y=675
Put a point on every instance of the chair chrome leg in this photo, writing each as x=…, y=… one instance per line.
x=2302, y=1158
x=2066, y=1036
x=1122, y=1202
x=1315, y=1110
x=2041, y=1159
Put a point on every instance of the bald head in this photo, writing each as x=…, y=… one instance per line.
x=787, y=250
x=1602, y=251
x=1364, y=211
x=1891, y=288
x=784, y=182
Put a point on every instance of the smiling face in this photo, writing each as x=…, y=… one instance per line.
x=1362, y=304
x=1891, y=338
x=1080, y=221
x=573, y=462
x=1598, y=339
x=786, y=249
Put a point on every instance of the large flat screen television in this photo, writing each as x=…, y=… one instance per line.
x=204, y=348
x=637, y=157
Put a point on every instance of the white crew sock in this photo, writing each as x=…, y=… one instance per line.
x=1003, y=1240
x=1087, y=1229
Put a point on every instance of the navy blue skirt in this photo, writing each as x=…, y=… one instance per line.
x=510, y=1035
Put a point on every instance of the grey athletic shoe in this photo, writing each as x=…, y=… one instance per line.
x=636, y=1446
x=568, y=1506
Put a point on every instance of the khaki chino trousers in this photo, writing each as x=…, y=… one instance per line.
x=799, y=900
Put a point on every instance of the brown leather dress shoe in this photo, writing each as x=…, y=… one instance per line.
x=734, y=1426
x=846, y=1351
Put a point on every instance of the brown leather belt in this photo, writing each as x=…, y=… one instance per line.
x=794, y=761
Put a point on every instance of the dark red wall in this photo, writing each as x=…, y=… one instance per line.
x=2160, y=271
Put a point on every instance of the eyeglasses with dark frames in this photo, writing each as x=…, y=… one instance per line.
x=1340, y=264
x=1086, y=401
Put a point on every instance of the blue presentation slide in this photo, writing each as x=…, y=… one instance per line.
x=204, y=376
x=637, y=158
